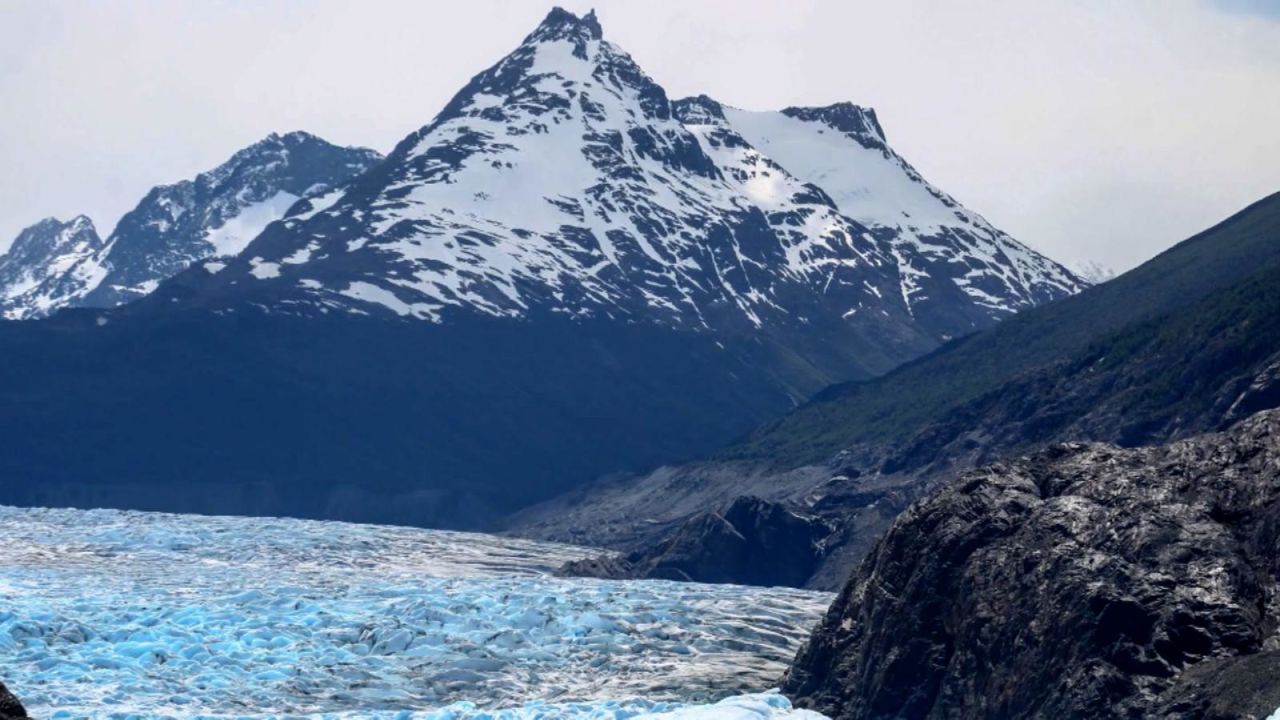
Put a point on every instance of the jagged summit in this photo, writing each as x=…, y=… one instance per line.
x=46, y=229
x=860, y=122
x=560, y=24
x=44, y=265
x=698, y=110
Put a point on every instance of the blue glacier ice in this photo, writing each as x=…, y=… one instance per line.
x=108, y=613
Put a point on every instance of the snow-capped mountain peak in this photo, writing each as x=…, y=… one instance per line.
x=560, y=24
x=216, y=213
x=562, y=179
x=45, y=264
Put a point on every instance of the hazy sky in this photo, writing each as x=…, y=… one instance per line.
x=1089, y=130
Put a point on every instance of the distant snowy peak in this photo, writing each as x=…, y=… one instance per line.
x=36, y=273
x=217, y=213
x=1093, y=272
x=220, y=211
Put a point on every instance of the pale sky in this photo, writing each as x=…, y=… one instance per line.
x=1089, y=130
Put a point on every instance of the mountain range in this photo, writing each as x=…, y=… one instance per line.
x=52, y=265
x=565, y=274
x=1038, y=495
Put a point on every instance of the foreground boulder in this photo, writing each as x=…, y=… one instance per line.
x=1084, y=581
x=10, y=708
x=752, y=542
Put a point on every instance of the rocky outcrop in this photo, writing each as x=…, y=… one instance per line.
x=1225, y=689
x=10, y=707
x=1083, y=581
x=752, y=542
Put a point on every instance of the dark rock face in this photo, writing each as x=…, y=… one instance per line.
x=1225, y=689
x=1084, y=581
x=753, y=542
x=10, y=707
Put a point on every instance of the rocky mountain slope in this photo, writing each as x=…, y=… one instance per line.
x=1083, y=581
x=565, y=274
x=46, y=265
x=215, y=214
x=1187, y=343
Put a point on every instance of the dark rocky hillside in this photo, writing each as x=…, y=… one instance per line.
x=10, y=707
x=751, y=541
x=1084, y=581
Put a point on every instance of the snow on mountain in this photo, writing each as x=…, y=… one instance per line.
x=46, y=265
x=1094, y=272
x=217, y=213
x=842, y=148
x=564, y=180
x=559, y=180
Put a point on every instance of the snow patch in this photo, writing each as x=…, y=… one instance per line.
x=264, y=270
x=237, y=232
x=370, y=293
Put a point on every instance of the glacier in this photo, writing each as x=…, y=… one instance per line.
x=108, y=613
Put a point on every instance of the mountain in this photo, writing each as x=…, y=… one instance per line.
x=1083, y=581
x=1184, y=344
x=563, y=180
x=1094, y=272
x=215, y=214
x=565, y=274
x=45, y=265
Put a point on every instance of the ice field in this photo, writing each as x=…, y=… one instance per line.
x=108, y=613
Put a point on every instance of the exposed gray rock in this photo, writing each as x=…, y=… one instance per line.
x=1238, y=688
x=1084, y=581
x=752, y=542
x=10, y=707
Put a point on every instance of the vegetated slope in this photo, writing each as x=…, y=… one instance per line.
x=1194, y=370
x=1083, y=581
x=899, y=404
